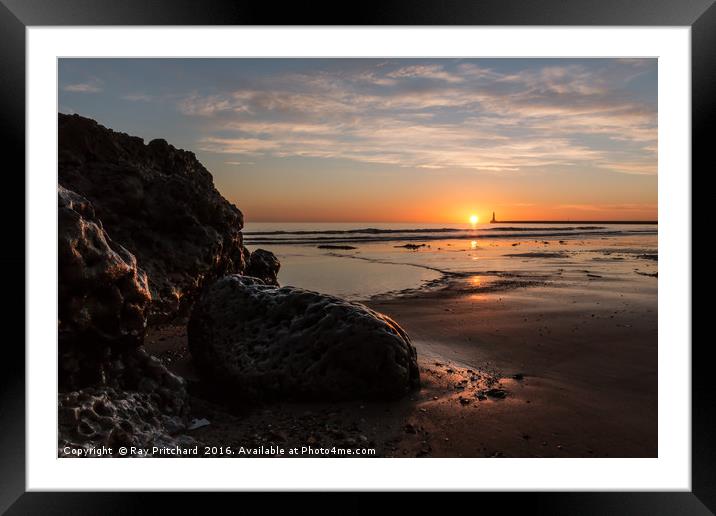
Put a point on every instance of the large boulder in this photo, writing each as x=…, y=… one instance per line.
x=252, y=340
x=264, y=265
x=103, y=295
x=158, y=202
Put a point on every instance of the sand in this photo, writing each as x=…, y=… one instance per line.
x=576, y=363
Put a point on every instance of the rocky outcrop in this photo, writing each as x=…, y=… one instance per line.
x=159, y=203
x=111, y=391
x=103, y=295
x=264, y=265
x=259, y=341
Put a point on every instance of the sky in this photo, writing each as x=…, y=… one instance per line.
x=395, y=140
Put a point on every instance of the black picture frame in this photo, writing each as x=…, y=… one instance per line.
x=17, y=15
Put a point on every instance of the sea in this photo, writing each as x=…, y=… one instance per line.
x=362, y=261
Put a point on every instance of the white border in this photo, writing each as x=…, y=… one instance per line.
x=670, y=471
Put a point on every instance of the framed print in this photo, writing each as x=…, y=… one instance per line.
x=450, y=241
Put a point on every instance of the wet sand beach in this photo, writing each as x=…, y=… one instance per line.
x=564, y=369
x=579, y=374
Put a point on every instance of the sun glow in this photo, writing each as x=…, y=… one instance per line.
x=473, y=219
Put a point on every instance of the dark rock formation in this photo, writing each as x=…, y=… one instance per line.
x=259, y=341
x=145, y=406
x=111, y=391
x=264, y=265
x=103, y=294
x=158, y=202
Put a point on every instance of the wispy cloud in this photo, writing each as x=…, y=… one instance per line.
x=432, y=116
x=435, y=72
x=91, y=86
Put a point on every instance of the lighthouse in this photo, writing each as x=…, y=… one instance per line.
x=493, y=218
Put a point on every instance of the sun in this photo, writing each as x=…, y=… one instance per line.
x=474, y=219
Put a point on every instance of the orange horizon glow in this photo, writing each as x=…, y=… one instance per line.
x=451, y=220
x=386, y=194
x=443, y=212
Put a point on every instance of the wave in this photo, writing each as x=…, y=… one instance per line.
x=341, y=237
x=562, y=228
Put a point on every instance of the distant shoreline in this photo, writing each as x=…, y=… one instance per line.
x=574, y=222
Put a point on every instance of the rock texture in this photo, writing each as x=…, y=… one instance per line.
x=264, y=265
x=159, y=203
x=112, y=392
x=260, y=341
x=103, y=295
x=142, y=405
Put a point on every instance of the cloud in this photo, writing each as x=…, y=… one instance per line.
x=237, y=145
x=435, y=72
x=401, y=143
x=644, y=167
x=196, y=105
x=435, y=117
x=93, y=86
